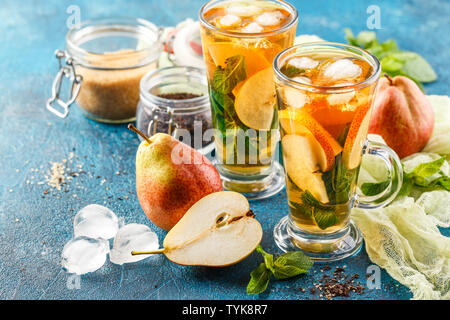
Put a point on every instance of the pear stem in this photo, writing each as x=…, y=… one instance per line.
x=133, y=128
x=389, y=78
x=158, y=251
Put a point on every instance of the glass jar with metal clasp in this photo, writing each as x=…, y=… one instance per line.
x=174, y=100
x=104, y=61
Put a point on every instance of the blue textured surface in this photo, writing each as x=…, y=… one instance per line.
x=35, y=226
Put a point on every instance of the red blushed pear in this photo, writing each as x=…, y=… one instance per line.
x=402, y=115
x=170, y=177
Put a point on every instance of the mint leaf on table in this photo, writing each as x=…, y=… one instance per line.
x=416, y=178
x=394, y=61
x=268, y=258
x=418, y=68
x=444, y=182
x=428, y=169
x=287, y=265
x=259, y=279
x=366, y=38
x=291, y=264
x=407, y=186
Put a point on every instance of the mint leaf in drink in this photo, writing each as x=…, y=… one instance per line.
x=225, y=79
x=259, y=279
x=372, y=189
x=309, y=199
x=324, y=215
x=303, y=209
x=325, y=219
x=291, y=71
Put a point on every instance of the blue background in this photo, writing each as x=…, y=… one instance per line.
x=35, y=226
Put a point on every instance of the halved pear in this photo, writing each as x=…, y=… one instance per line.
x=301, y=163
x=218, y=230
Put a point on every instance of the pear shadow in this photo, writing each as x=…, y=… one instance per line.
x=235, y=275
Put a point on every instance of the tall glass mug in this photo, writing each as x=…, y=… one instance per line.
x=240, y=41
x=325, y=94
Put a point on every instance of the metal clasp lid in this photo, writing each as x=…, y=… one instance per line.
x=66, y=70
x=152, y=128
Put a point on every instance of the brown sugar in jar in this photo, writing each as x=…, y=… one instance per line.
x=110, y=57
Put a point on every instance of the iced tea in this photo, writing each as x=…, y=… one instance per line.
x=240, y=40
x=324, y=115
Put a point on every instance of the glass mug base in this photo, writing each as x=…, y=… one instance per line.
x=253, y=187
x=320, y=248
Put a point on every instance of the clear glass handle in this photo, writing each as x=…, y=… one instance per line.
x=395, y=169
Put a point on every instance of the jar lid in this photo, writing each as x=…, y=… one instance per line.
x=114, y=43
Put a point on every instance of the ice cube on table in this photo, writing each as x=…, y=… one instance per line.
x=303, y=63
x=342, y=69
x=132, y=237
x=95, y=221
x=83, y=255
x=270, y=18
x=252, y=27
x=243, y=10
x=229, y=20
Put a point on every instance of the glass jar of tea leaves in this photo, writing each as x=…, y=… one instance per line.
x=175, y=101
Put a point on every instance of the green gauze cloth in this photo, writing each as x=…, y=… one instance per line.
x=403, y=237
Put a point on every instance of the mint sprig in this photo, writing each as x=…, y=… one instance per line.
x=285, y=266
x=419, y=177
x=394, y=61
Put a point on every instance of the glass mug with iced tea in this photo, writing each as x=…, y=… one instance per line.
x=240, y=40
x=325, y=94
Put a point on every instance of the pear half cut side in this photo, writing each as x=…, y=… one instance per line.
x=219, y=230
